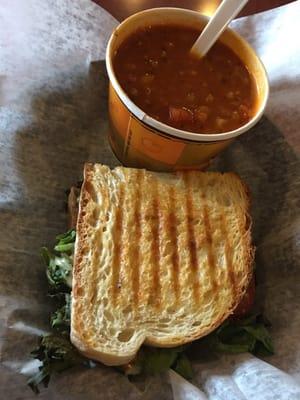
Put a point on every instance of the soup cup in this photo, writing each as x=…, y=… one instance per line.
x=140, y=141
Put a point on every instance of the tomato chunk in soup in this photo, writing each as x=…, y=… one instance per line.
x=213, y=94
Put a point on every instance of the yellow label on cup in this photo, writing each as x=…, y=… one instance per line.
x=143, y=140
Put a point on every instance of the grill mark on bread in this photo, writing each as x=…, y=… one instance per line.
x=85, y=321
x=210, y=253
x=135, y=261
x=191, y=237
x=118, y=251
x=228, y=255
x=89, y=188
x=172, y=224
x=154, y=296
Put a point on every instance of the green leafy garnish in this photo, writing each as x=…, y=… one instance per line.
x=156, y=360
x=262, y=336
x=55, y=351
x=60, y=262
x=247, y=335
x=68, y=247
x=151, y=360
x=56, y=354
x=183, y=366
x=61, y=318
x=66, y=242
x=59, y=270
x=67, y=237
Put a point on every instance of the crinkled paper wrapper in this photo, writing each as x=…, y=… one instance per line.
x=53, y=118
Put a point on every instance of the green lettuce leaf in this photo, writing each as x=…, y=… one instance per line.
x=247, y=335
x=55, y=351
x=151, y=360
x=263, y=338
x=60, y=262
x=65, y=242
x=61, y=318
x=183, y=366
x=67, y=237
x=157, y=360
x=56, y=354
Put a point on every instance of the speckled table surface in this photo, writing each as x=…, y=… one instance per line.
x=53, y=118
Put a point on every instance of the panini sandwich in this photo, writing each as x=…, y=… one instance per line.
x=160, y=259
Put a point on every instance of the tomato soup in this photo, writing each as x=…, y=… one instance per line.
x=214, y=94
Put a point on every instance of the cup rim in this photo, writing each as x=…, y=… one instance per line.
x=160, y=126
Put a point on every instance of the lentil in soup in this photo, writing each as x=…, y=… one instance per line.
x=213, y=94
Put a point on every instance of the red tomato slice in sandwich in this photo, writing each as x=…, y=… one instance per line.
x=246, y=304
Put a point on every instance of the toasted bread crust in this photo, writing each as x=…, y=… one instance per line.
x=73, y=206
x=174, y=258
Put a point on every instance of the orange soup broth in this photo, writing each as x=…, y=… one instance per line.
x=214, y=94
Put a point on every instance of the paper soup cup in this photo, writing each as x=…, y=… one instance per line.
x=141, y=141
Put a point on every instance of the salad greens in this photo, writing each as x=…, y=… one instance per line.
x=245, y=335
x=55, y=350
x=183, y=366
x=60, y=262
x=56, y=353
x=61, y=318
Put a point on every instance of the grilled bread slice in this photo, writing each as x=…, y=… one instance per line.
x=160, y=259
